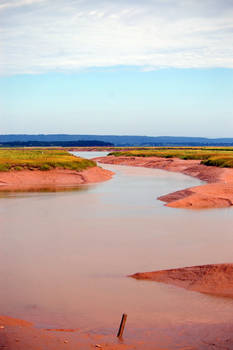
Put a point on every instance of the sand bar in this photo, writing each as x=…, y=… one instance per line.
x=215, y=279
x=36, y=179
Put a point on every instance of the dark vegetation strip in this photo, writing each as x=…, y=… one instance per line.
x=56, y=144
x=220, y=157
x=41, y=159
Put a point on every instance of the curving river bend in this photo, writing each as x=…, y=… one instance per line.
x=64, y=256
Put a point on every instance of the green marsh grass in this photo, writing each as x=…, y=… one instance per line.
x=220, y=157
x=41, y=159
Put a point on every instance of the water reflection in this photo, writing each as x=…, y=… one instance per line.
x=13, y=192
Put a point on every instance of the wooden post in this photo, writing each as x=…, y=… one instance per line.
x=122, y=326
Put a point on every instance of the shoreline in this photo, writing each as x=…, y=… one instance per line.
x=213, y=279
x=17, y=334
x=217, y=193
x=26, y=180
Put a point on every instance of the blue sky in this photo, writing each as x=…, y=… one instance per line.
x=117, y=67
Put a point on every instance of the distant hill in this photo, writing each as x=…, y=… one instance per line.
x=33, y=143
x=72, y=140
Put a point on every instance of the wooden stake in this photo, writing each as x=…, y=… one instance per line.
x=122, y=326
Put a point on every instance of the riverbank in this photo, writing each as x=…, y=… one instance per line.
x=36, y=179
x=216, y=279
x=217, y=193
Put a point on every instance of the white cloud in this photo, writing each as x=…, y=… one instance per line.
x=17, y=3
x=38, y=36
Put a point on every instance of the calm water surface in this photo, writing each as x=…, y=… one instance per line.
x=65, y=255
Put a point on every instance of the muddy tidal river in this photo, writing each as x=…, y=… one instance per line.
x=65, y=255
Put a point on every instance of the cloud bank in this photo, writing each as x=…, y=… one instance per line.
x=39, y=36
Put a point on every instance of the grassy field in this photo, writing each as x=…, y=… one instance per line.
x=221, y=157
x=41, y=159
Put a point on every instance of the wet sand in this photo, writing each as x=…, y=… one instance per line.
x=16, y=334
x=215, y=279
x=217, y=193
x=31, y=179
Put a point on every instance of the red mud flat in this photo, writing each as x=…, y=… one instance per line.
x=218, y=193
x=36, y=179
x=209, y=279
x=16, y=334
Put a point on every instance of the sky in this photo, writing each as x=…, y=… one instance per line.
x=135, y=67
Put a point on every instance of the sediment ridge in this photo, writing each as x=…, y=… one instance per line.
x=217, y=193
x=214, y=279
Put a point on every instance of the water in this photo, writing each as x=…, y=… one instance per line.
x=65, y=255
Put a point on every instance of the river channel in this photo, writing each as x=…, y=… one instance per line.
x=65, y=255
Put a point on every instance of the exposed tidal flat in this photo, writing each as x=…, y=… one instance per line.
x=65, y=257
